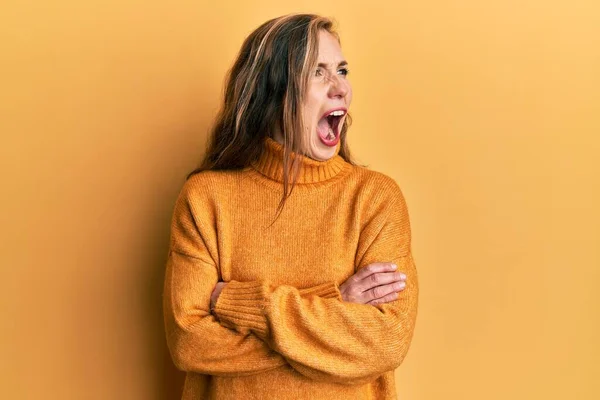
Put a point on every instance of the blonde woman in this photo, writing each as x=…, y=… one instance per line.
x=290, y=273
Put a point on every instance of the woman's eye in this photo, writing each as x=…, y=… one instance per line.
x=342, y=71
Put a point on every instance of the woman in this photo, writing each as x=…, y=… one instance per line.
x=303, y=302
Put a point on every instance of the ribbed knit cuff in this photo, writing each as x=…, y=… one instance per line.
x=240, y=306
x=326, y=290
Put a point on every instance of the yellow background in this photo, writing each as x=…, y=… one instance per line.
x=485, y=112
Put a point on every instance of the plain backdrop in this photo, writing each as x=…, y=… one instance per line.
x=487, y=114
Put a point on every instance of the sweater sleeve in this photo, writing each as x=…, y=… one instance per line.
x=196, y=340
x=328, y=339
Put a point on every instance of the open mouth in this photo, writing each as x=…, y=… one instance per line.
x=328, y=127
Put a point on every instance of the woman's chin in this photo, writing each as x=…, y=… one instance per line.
x=321, y=151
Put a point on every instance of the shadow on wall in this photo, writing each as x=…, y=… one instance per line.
x=159, y=226
x=170, y=384
x=172, y=378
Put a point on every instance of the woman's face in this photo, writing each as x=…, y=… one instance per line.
x=327, y=100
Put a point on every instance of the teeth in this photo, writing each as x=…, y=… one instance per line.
x=337, y=113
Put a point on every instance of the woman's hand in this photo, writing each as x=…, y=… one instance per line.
x=374, y=284
x=215, y=293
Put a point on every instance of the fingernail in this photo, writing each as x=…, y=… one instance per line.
x=394, y=266
x=402, y=276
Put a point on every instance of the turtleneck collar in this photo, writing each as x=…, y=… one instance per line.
x=270, y=164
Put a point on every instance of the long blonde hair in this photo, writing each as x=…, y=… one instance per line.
x=264, y=92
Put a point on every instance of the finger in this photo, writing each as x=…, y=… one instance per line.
x=384, y=290
x=372, y=269
x=386, y=299
x=381, y=278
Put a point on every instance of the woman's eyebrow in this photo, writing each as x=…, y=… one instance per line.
x=340, y=64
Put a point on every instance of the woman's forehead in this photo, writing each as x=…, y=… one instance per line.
x=330, y=51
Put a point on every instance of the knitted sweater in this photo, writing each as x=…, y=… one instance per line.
x=280, y=328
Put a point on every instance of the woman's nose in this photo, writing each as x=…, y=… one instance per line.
x=337, y=87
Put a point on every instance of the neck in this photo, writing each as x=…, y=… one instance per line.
x=270, y=164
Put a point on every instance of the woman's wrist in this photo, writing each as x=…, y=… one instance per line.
x=215, y=294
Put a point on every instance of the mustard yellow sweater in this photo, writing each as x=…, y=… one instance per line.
x=280, y=329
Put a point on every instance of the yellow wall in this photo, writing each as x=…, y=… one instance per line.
x=485, y=112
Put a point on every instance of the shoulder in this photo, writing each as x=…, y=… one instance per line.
x=210, y=179
x=199, y=194
x=377, y=186
x=379, y=199
x=201, y=197
x=209, y=184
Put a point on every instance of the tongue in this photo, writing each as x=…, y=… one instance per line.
x=323, y=128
